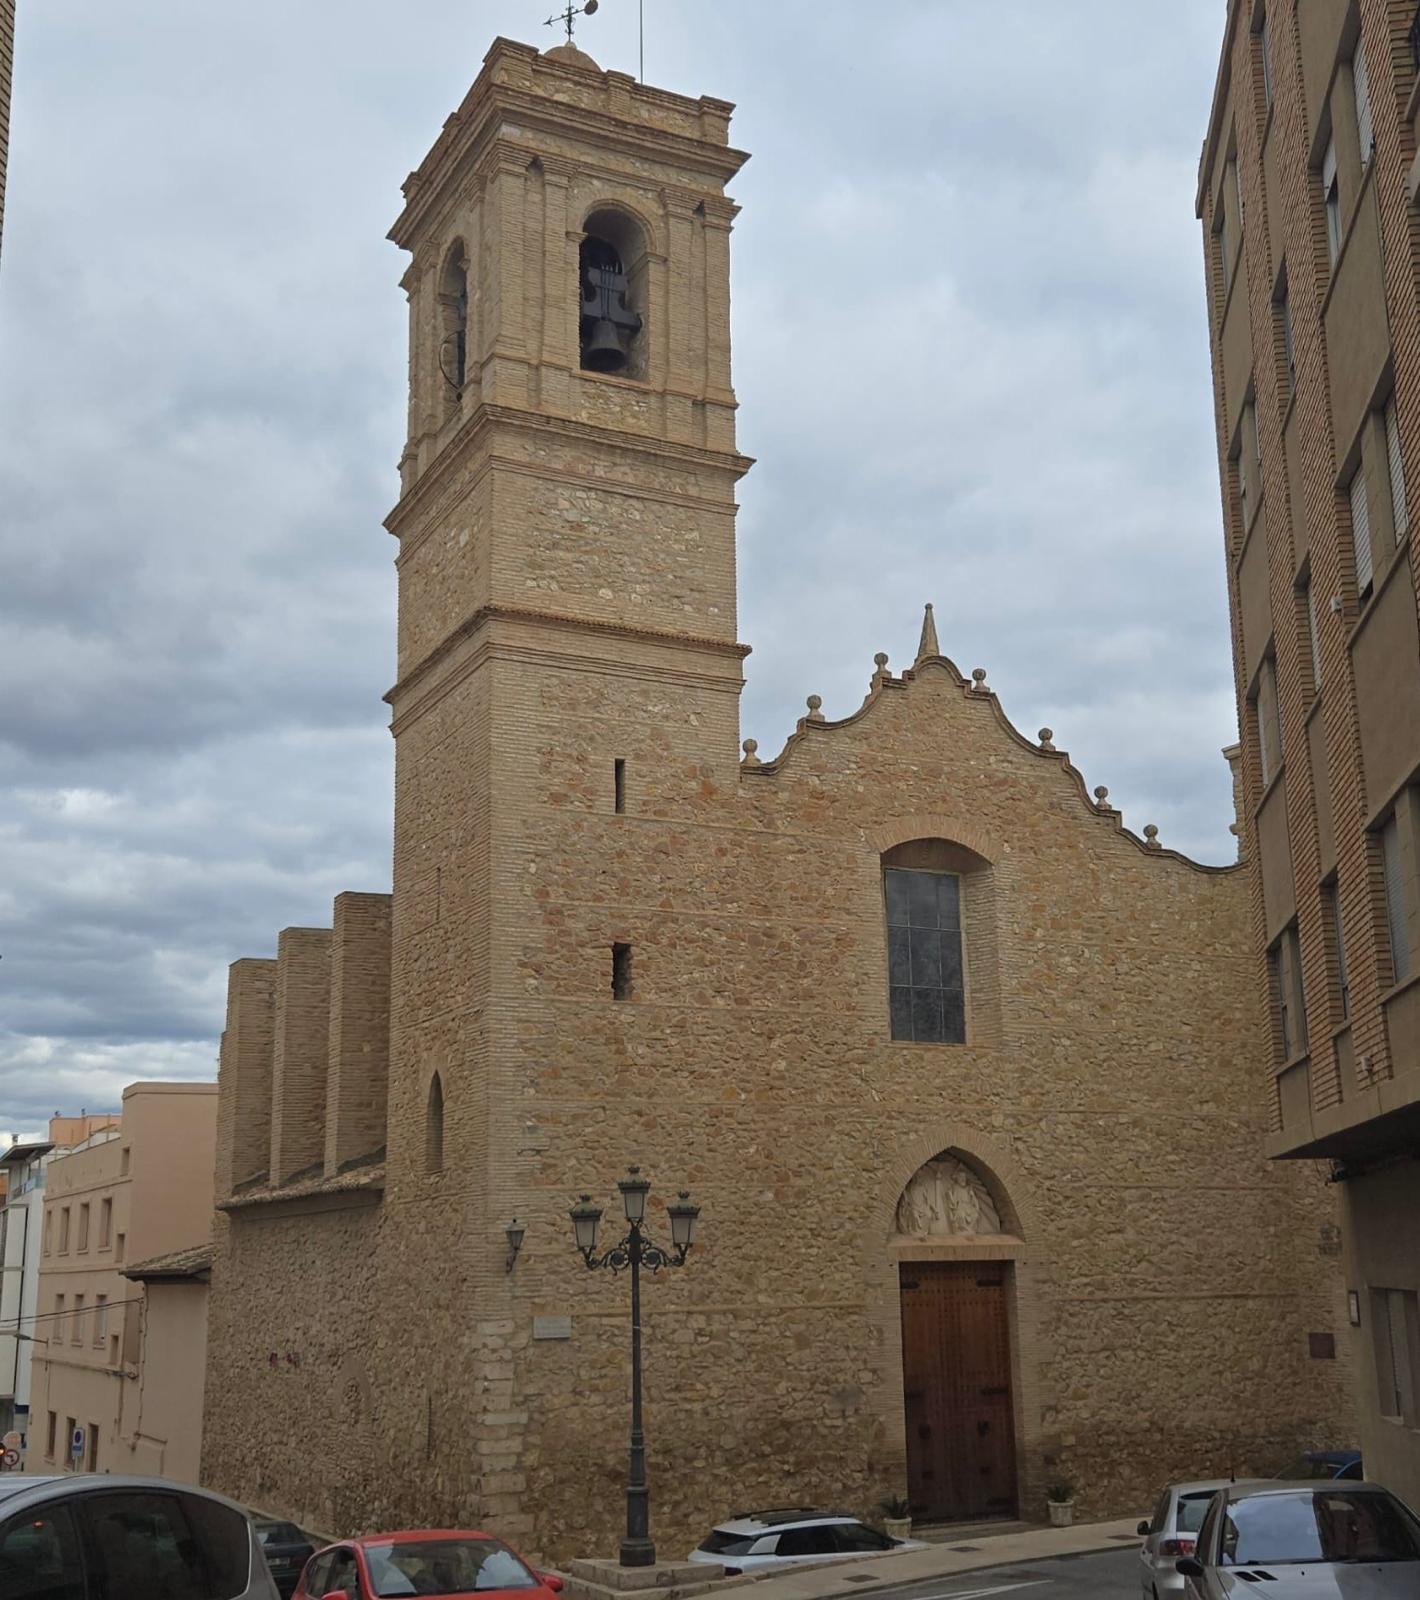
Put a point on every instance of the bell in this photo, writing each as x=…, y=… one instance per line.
x=604, y=351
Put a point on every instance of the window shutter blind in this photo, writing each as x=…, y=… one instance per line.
x=1395, y=900
x=1398, y=502
x=1328, y=165
x=1340, y=951
x=1363, y=101
x=1361, y=532
x=1264, y=36
x=1242, y=204
x=1312, y=635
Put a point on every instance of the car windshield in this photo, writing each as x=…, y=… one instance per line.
x=1192, y=1508
x=279, y=1533
x=1276, y=1529
x=1306, y=1467
x=444, y=1566
x=719, y=1543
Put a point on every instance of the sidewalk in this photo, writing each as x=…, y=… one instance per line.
x=945, y=1560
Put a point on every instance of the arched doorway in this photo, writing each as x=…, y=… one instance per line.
x=954, y=1243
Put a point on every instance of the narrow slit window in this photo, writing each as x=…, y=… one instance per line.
x=1396, y=900
x=619, y=784
x=1331, y=193
x=1365, y=133
x=434, y=1127
x=621, y=972
x=1264, y=40
x=1361, y=533
x=1400, y=506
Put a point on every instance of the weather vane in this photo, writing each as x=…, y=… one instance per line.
x=569, y=16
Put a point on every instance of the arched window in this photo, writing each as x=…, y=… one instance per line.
x=612, y=287
x=923, y=894
x=453, y=321
x=434, y=1127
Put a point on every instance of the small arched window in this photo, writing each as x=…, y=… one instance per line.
x=453, y=321
x=923, y=894
x=612, y=287
x=434, y=1127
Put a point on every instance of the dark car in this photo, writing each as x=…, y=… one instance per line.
x=1305, y=1541
x=287, y=1550
x=1326, y=1464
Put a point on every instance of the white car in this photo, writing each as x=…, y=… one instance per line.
x=789, y=1535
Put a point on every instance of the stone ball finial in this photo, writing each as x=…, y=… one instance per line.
x=1151, y=836
x=978, y=677
x=1102, y=798
x=880, y=660
x=750, y=747
x=1047, y=738
x=815, y=704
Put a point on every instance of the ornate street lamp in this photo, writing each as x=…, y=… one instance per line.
x=636, y=1251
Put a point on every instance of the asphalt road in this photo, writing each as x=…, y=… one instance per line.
x=1110, y=1575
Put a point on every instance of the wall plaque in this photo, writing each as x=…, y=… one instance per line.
x=552, y=1327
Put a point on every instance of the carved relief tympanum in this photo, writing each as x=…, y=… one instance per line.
x=946, y=1197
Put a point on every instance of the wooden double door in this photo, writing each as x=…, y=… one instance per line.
x=956, y=1372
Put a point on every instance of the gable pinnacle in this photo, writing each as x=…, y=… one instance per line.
x=928, y=646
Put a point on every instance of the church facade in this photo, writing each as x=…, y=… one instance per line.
x=953, y=1064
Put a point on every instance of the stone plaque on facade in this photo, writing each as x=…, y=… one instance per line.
x=552, y=1327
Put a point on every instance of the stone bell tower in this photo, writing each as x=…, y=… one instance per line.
x=568, y=673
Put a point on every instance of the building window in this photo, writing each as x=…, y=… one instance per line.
x=1364, y=131
x=1397, y=907
x=83, y=1227
x=1249, y=464
x=113, y=1349
x=1399, y=504
x=51, y=1436
x=100, y=1319
x=1338, y=934
x=434, y=1127
x=92, y=1463
x=1331, y=194
x=1264, y=40
x=618, y=784
x=1396, y=1337
x=1282, y=307
x=76, y=1332
x=69, y=1426
x=105, y=1224
x=119, y=1246
x=1308, y=599
x=48, y=1230
x=1225, y=240
x=1269, y=721
x=926, y=979
x=1286, y=964
x=613, y=278
x=453, y=315
x=123, y=1160
x=64, y=1231
x=621, y=972
x=61, y=1319
x=1361, y=532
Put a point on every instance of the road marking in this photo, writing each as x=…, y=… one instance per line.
x=978, y=1594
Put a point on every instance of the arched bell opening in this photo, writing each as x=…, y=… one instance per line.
x=453, y=324
x=612, y=286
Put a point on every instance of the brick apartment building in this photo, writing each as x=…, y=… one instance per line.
x=107, y=1365
x=941, y=1048
x=1312, y=242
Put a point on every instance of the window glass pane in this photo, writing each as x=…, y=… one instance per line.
x=899, y=956
x=895, y=887
x=1361, y=532
x=39, y=1556
x=953, y=1017
x=1399, y=505
x=1395, y=898
x=225, y=1542
x=948, y=900
x=927, y=1015
x=922, y=899
x=926, y=959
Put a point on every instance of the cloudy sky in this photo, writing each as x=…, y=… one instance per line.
x=972, y=363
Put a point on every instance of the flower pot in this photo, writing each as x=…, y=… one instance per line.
x=1062, y=1513
x=897, y=1527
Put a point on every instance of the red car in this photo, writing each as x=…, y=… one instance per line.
x=434, y=1561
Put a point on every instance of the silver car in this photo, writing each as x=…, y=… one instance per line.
x=791, y=1536
x=84, y=1536
x=1172, y=1532
x=1305, y=1541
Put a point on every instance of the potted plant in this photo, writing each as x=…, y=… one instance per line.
x=897, y=1516
x=1060, y=1502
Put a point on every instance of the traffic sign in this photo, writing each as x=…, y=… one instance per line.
x=11, y=1458
x=76, y=1444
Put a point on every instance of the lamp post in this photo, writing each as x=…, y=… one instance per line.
x=635, y=1251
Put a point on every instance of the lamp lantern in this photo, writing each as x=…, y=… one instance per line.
x=634, y=1189
x=682, y=1215
x=586, y=1218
